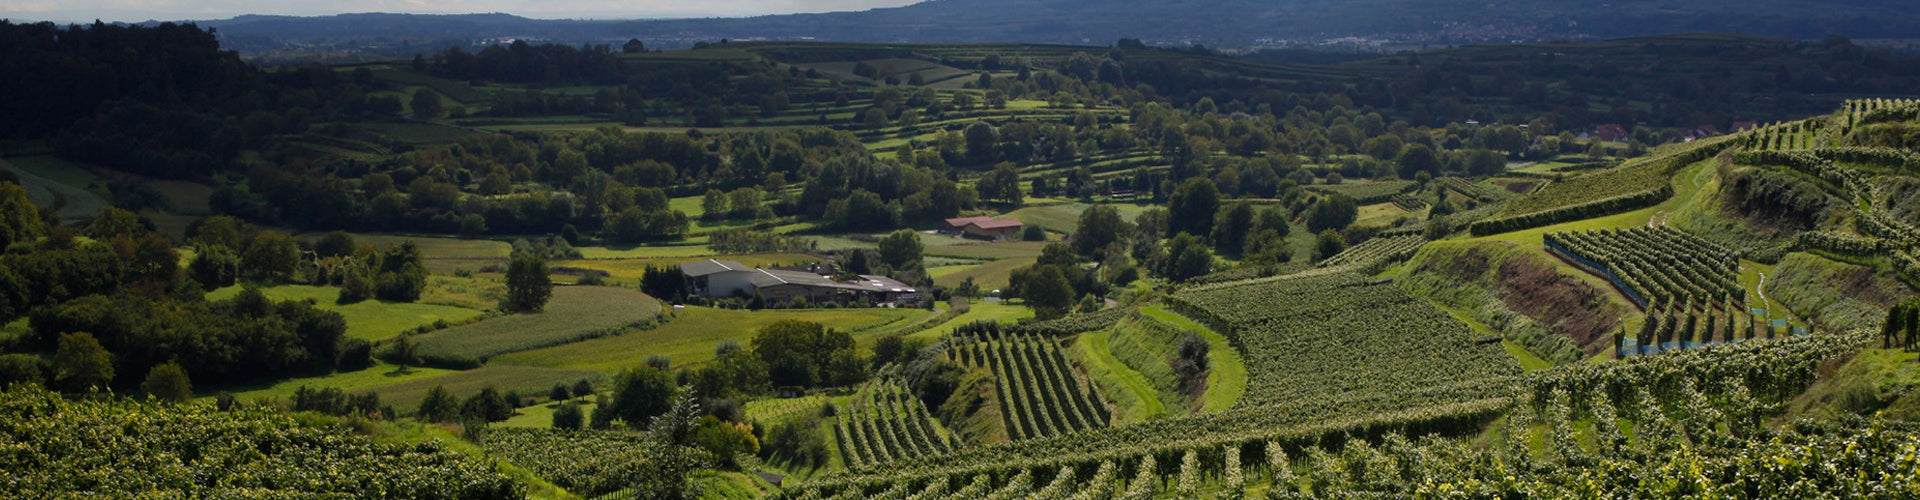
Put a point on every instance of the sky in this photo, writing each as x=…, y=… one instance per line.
x=142, y=10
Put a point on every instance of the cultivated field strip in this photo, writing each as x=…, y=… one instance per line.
x=1038, y=390
x=885, y=422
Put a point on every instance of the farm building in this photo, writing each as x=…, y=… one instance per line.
x=725, y=278
x=984, y=227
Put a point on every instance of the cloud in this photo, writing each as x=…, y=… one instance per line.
x=140, y=10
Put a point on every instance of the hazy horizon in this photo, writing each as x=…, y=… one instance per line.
x=86, y=11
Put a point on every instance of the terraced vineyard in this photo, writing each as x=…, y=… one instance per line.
x=1407, y=202
x=1040, y=393
x=1377, y=251
x=1656, y=267
x=1319, y=337
x=1366, y=193
x=1471, y=190
x=1637, y=184
x=587, y=463
x=884, y=423
x=1693, y=417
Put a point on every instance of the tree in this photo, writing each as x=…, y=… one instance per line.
x=980, y=139
x=80, y=364
x=1416, y=158
x=1193, y=205
x=1046, y=288
x=901, y=249
x=488, y=405
x=168, y=382
x=633, y=46
x=334, y=244
x=272, y=256
x=528, y=286
x=1332, y=212
x=1099, y=227
x=1230, y=228
x=568, y=416
x=1328, y=244
x=1187, y=257
x=1481, y=162
x=426, y=104
x=114, y=221
x=19, y=217
x=438, y=406
x=800, y=353
x=641, y=393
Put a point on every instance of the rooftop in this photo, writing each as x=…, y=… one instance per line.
x=710, y=266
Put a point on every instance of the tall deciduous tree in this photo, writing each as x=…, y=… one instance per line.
x=641, y=393
x=1192, y=207
x=528, y=286
x=1099, y=226
x=901, y=249
x=80, y=363
x=168, y=382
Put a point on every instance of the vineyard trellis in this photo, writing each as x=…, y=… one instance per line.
x=884, y=422
x=1039, y=391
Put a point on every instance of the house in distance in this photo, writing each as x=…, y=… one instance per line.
x=726, y=278
x=984, y=227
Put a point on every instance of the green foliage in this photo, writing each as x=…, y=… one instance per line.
x=1188, y=257
x=426, y=104
x=807, y=354
x=167, y=382
x=1045, y=288
x=271, y=256
x=1192, y=207
x=642, y=393
x=588, y=463
x=80, y=364
x=528, y=286
x=214, y=267
x=122, y=448
x=1332, y=212
x=255, y=337
x=1099, y=227
x=19, y=218
x=438, y=406
x=901, y=249
x=1328, y=244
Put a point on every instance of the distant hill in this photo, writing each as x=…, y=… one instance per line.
x=1215, y=23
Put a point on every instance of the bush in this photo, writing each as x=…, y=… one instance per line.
x=568, y=416
x=1034, y=233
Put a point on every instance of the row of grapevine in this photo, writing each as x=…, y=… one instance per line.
x=1367, y=193
x=1657, y=267
x=1311, y=337
x=586, y=463
x=1669, y=413
x=1407, y=202
x=122, y=448
x=1469, y=189
x=1040, y=393
x=1639, y=183
x=886, y=422
x=1376, y=251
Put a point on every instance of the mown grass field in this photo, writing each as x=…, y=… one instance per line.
x=989, y=276
x=693, y=333
x=370, y=319
x=1227, y=374
x=989, y=250
x=979, y=310
x=574, y=312
x=43, y=176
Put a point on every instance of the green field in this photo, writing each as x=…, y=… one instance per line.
x=370, y=319
x=693, y=333
x=989, y=276
x=574, y=312
x=405, y=395
x=630, y=270
x=979, y=310
x=44, y=176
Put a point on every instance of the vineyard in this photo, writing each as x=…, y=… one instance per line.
x=1407, y=202
x=1367, y=193
x=1684, y=424
x=1660, y=267
x=1039, y=392
x=57, y=448
x=1638, y=184
x=1472, y=191
x=885, y=422
x=587, y=463
x=1316, y=337
x=1377, y=251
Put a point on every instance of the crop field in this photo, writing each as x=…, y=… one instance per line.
x=1366, y=192
x=369, y=319
x=992, y=275
x=771, y=411
x=1377, y=251
x=574, y=313
x=1316, y=337
x=1039, y=392
x=405, y=394
x=884, y=422
x=690, y=337
x=48, y=179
